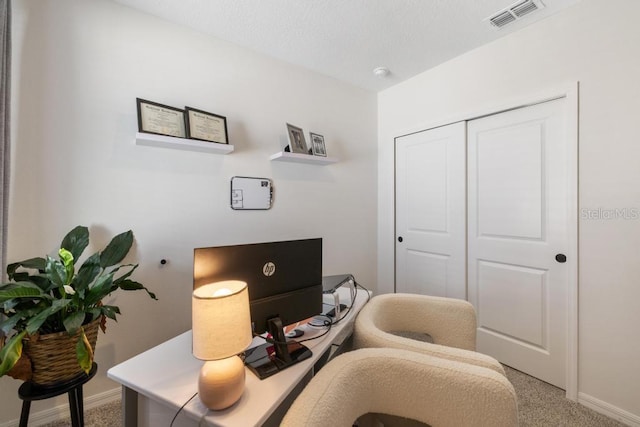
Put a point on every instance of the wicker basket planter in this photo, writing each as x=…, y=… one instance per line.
x=53, y=356
x=49, y=293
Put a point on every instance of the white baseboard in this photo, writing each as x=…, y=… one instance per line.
x=62, y=411
x=609, y=410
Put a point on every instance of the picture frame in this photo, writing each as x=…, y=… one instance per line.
x=297, y=143
x=317, y=145
x=160, y=119
x=204, y=126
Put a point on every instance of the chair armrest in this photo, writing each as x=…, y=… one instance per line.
x=450, y=322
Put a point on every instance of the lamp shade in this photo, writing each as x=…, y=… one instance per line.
x=221, y=322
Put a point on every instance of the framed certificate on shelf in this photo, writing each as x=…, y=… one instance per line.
x=205, y=126
x=160, y=119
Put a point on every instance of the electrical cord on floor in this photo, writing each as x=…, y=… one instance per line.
x=181, y=408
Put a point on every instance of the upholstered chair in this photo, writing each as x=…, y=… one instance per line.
x=407, y=384
x=396, y=320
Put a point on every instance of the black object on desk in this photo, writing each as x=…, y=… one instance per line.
x=332, y=313
x=29, y=392
x=330, y=286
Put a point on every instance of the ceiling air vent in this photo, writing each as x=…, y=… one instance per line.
x=502, y=19
x=514, y=12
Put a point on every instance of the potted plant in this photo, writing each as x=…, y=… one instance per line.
x=47, y=296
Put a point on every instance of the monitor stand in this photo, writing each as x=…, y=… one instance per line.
x=270, y=358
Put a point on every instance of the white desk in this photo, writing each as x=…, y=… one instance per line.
x=165, y=377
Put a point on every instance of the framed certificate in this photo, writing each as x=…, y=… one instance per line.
x=160, y=119
x=206, y=126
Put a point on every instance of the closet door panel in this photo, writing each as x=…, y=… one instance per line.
x=517, y=223
x=430, y=212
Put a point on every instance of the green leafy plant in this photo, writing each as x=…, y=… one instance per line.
x=47, y=295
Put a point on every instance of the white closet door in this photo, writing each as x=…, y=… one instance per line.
x=518, y=222
x=430, y=212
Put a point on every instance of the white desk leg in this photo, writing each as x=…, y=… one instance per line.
x=129, y=407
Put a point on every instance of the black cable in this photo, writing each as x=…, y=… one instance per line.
x=181, y=408
x=368, y=293
x=327, y=324
x=332, y=305
x=324, y=322
x=346, y=313
x=355, y=295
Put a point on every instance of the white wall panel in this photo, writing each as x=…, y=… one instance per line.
x=510, y=183
x=428, y=272
x=427, y=165
x=512, y=301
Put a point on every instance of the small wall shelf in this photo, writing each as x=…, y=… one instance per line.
x=152, y=140
x=284, y=156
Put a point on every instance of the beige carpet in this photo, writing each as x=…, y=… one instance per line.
x=109, y=415
x=539, y=405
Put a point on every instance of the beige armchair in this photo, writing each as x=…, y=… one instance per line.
x=451, y=323
x=402, y=383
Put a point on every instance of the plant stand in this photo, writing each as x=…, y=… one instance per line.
x=29, y=392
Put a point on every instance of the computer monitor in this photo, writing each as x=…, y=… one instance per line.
x=285, y=286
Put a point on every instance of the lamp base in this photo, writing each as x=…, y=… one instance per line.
x=221, y=382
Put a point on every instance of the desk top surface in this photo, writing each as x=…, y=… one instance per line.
x=168, y=373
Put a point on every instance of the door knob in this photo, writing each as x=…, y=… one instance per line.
x=561, y=258
x=400, y=239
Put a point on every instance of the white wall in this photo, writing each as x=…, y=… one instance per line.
x=78, y=67
x=595, y=43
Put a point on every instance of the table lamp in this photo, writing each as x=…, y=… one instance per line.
x=221, y=326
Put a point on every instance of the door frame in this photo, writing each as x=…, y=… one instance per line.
x=570, y=92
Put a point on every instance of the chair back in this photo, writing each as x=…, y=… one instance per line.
x=434, y=391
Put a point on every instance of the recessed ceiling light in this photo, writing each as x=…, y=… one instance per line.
x=381, y=72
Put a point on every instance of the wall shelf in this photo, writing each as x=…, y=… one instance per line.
x=152, y=140
x=284, y=156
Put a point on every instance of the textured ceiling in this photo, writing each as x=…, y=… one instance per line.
x=347, y=39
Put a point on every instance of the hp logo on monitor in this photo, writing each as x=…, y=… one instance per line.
x=269, y=269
